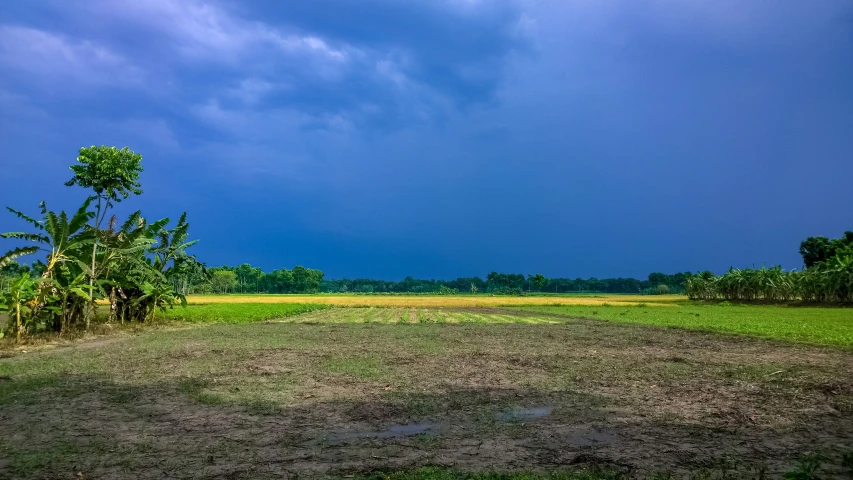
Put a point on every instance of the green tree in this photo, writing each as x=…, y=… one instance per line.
x=815, y=250
x=223, y=280
x=245, y=274
x=113, y=174
x=539, y=282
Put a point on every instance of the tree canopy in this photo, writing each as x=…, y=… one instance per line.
x=109, y=171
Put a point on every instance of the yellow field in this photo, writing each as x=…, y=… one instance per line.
x=438, y=300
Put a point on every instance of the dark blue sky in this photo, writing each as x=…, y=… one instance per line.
x=444, y=138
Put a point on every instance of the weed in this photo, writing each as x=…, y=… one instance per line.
x=360, y=368
x=808, y=468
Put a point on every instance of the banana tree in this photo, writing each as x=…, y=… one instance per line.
x=17, y=302
x=68, y=289
x=61, y=237
x=65, y=240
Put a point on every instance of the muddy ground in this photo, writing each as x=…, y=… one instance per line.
x=313, y=399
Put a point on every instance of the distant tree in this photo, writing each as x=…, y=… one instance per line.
x=657, y=278
x=244, y=276
x=256, y=277
x=539, y=282
x=815, y=250
x=223, y=280
x=113, y=174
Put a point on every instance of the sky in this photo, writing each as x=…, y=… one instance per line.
x=447, y=138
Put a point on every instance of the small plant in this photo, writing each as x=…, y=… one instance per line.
x=18, y=301
x=808, y=468
x=847, y=462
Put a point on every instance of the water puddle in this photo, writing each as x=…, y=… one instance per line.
x=591, y=438
x=517, y=413
x=408, y=430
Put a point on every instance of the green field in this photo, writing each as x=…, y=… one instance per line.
x=821, y=326
x=237, y=312
x=269, y=390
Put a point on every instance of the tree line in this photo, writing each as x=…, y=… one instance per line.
x=91, y=255
x=827, y=277
x=245, y=278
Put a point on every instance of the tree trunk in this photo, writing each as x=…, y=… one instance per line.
x=63, y=322
x=113, y=301
x=92, y=286
x=18, y=337
x=98, y=219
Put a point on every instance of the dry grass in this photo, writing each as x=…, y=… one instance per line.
x=435, y=301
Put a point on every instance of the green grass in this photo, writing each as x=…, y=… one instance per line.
x=438, y=473
x=238, y=312
x=359, y=368
x=820, y=326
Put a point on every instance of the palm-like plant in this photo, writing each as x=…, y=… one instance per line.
x=61, y=237
x=18, y=301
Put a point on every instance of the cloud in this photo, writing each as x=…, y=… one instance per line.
x=266, y=88
x=52, y=58
x=207, y=32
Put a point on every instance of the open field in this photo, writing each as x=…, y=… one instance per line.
x=238, y=312
x=823, y=326
x=344, y=391
x=441, y=300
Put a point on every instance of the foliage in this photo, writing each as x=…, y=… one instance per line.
x=539, y=281
x=251, y=279
x=132, y=265
x=815, y=250
x=113, y=175
x=111, y=172
x=503, y=283
x=18, y=302
x=247, y=279
x=828, y=281
x=223, y=280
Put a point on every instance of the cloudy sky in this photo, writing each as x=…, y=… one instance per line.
x=444, y=138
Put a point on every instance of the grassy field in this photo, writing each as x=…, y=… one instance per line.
x=823, y=326
x=238, y=312
x=339, y=392
x=427, y=301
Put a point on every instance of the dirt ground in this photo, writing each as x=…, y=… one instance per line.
x=313, y=399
